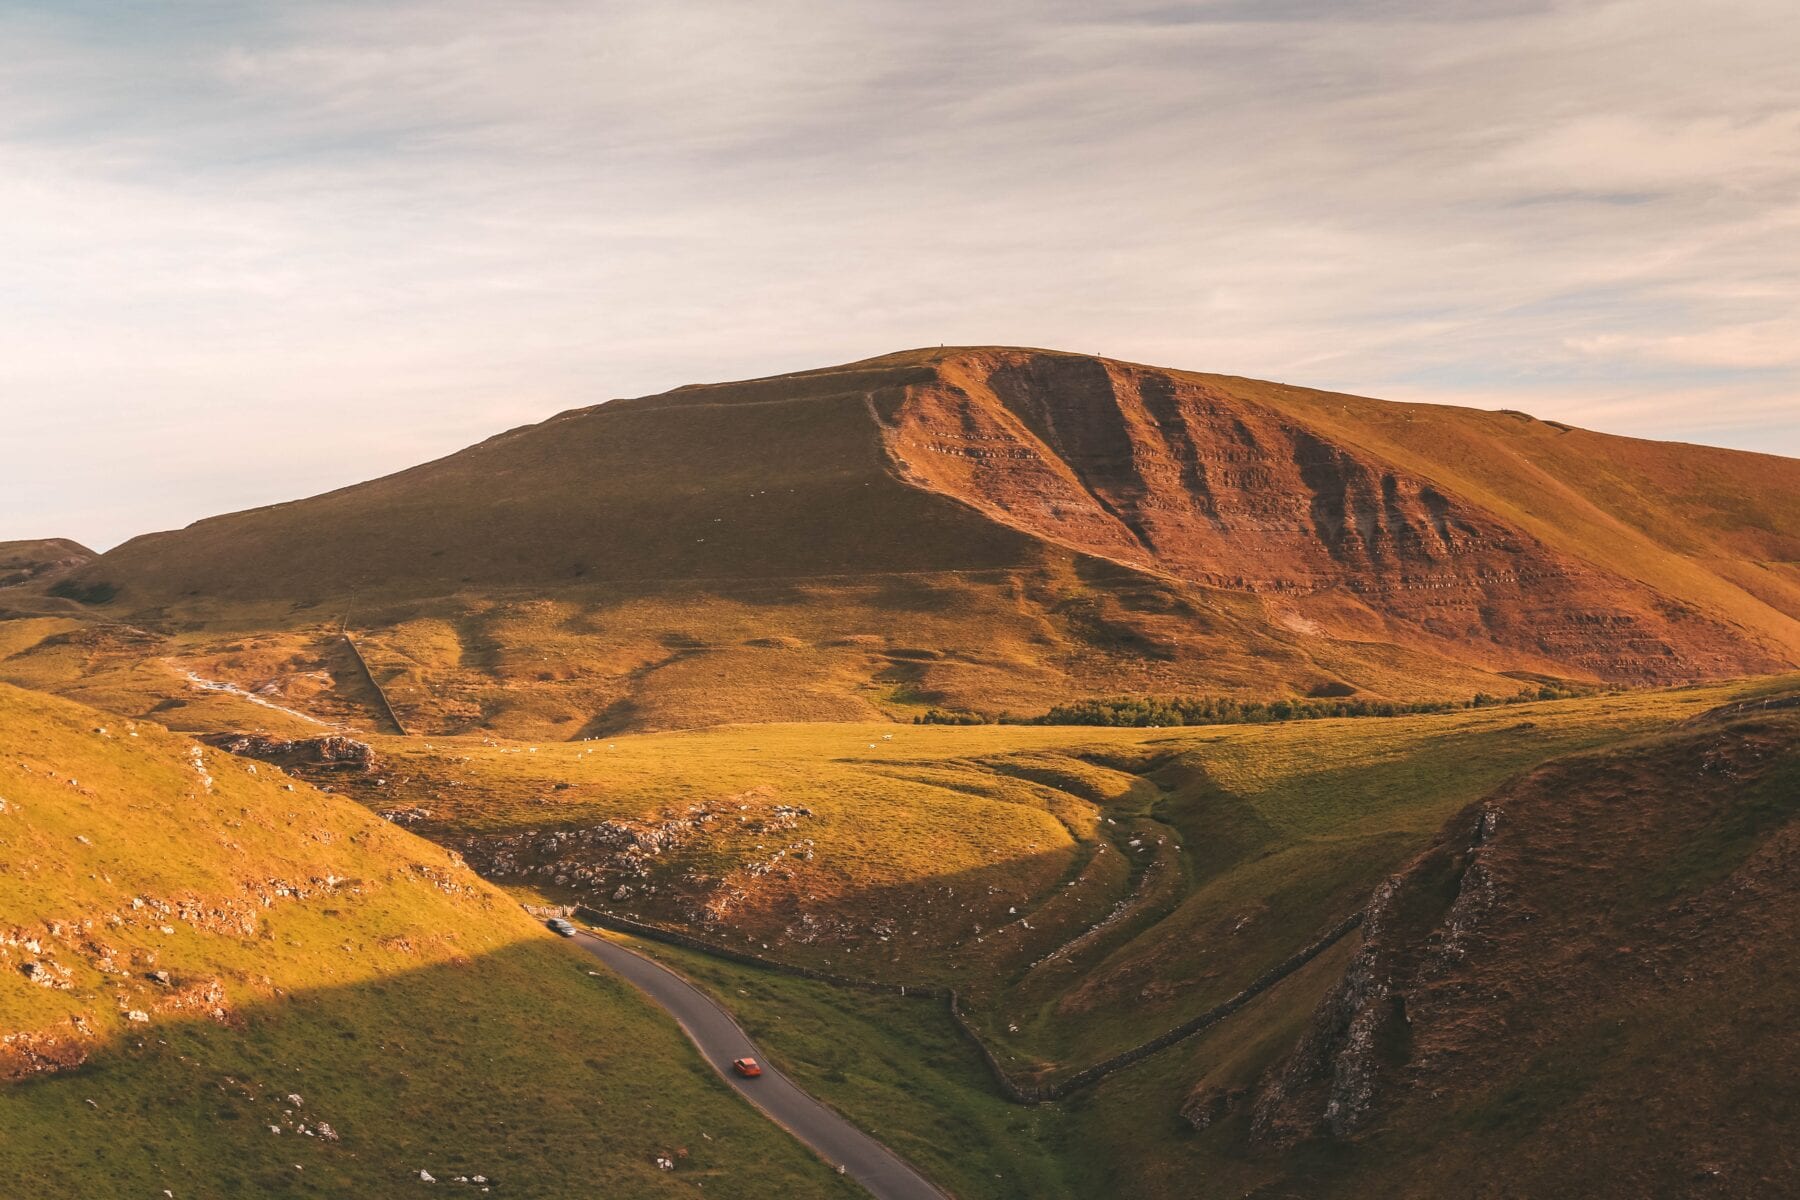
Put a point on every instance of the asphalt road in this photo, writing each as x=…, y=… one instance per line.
x=719, y=1039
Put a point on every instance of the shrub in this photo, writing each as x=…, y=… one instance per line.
x=1143, y=711
x=97, y=592
x=949, y=716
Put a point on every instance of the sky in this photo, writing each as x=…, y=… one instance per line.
x=250, y=252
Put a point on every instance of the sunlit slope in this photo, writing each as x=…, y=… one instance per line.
x=1591, y=996
x=751, y=481
x=1307, y=500
x=219, y=981
x=1715, y=528
x=988, y=529
x=1082, y=888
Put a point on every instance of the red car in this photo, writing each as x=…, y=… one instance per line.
x=749, y=1068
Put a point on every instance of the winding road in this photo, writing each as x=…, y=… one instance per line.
x=885, y=1174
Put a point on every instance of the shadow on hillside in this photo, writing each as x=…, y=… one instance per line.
x=1139, y=947
x=1149, y=950
x=518, y=1065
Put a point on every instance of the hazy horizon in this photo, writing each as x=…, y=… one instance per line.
x=256, y=253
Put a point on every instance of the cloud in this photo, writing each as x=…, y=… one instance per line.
x=1760, y=345
x=1622, y=153
x=397, y=226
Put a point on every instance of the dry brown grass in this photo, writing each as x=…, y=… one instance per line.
x=990, y=529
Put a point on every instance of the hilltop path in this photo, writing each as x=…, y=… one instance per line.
x=720, y=1040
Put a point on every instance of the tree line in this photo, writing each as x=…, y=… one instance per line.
x=1159, y=711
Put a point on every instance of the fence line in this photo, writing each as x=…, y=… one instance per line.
x=386, y=707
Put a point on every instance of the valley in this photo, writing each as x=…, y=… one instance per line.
x=755, y=679
x=1014, y=601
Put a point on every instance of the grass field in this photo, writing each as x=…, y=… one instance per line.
x=1082, y=888
x=218, y=981
x=899, y=1067
x=600, y=659
x=1637, y=941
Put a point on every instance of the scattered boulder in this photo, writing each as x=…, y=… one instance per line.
x=407, y=816
x=1206, y=1106
x=333, y=751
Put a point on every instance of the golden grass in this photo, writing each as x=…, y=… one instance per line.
x=966, y=854
x=765, y=550
x=309, y=948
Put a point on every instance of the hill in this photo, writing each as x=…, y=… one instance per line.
x=1078, y=886
x=219, y=981
x=987, y=529
x=1583, y=986
x=40, y=560
x=1576, y=984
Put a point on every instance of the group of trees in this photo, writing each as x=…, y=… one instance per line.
x=1144, y=711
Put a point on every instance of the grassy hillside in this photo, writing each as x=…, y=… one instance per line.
x=1591, y=1002
x=604, y=660
x=1626, y=917
x=218, y=981
x=40, y=560
x=1082, y=887
x=1718, y=529
x=988, y=529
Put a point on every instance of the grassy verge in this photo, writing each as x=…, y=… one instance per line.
x=899, y=1069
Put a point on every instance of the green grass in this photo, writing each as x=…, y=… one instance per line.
x=462, y=1041
x=1719, y=848
x=1270, y=834
x=1707, y=1024
x=898, y=1067
x=310, y=949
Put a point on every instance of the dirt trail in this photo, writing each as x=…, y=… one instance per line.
x=232, y=689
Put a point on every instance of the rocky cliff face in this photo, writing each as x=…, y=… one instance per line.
x=1580, y=980
x=1025, y=526
x=1168, y=474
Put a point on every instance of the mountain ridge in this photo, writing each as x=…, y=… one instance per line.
x=1053, y=524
